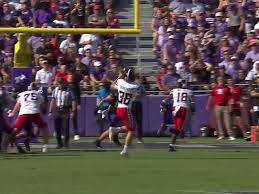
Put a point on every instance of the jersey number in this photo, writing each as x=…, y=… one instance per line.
x=182, y=97
x=124, y=97
x=33, y=97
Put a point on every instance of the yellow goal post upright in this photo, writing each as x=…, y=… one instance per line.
x=22, y=50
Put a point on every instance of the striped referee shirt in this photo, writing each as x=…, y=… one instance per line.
x=63, y=98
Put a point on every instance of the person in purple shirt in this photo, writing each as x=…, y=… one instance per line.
x=97, y=74
x=63, y=7
x=231, y=65
x=42, y=15
x=220, y=24
x=170, y=79
x=169, y=50
x=24, y=16
x=9, y=42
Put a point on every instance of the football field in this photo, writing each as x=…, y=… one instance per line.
x=147, y=171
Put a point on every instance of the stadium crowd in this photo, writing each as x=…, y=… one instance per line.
x=198, y=40
x=87, y=57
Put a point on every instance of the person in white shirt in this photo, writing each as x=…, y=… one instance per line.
x=44, y=76
x=29, y=107
x=67, y=43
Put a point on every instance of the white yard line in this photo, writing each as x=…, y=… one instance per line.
x=200, y=191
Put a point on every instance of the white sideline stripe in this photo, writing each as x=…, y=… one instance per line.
x=198, y=191
x=197, y=146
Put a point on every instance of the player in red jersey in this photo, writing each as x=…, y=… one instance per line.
x=28, y=105
x=236, y=103
x=183, y=100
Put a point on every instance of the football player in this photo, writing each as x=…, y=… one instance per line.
x=182, y=101
x=29, y=107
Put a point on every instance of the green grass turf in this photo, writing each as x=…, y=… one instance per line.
x=145, y=172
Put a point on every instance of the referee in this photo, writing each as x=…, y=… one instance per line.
x=64, y=101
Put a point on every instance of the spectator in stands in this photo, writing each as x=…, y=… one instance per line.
x=253, y=73
x=44, y=76
x=197, y=7
x=90, y=39
x=253, y=53
x=236, y=20
x=230, y=64
x=42, y=15
x=241, y=77
x=113, y=73
x=160, y=77
x=191, y=33
x=177, y=7
x=68, y=43
x=63, y=7
x=170, y=79
x=155, y=24
x=77, y=13
x=201, y=72
x=220, y=25
x=9, y=42
x=24, y=15
x=112, y=22
x=97, y=74
x=5, y=72
x=169, y=50
x=162, y=33
x=87, y=59
x=97, y=19
x=60, y=21
x=8, y=19
x=45, y=50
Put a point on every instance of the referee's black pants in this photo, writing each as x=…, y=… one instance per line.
x=62, y=127
x=138, y=117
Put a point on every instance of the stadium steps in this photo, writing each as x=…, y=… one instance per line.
x=127, y=43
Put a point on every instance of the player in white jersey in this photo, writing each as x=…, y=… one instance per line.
x=127, y=90
x=29, y=107
x=182, y=101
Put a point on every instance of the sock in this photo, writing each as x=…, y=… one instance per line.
x=125, y=148
x=171, y=145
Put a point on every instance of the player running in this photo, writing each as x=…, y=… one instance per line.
x=183, y=100
x=28, y=105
